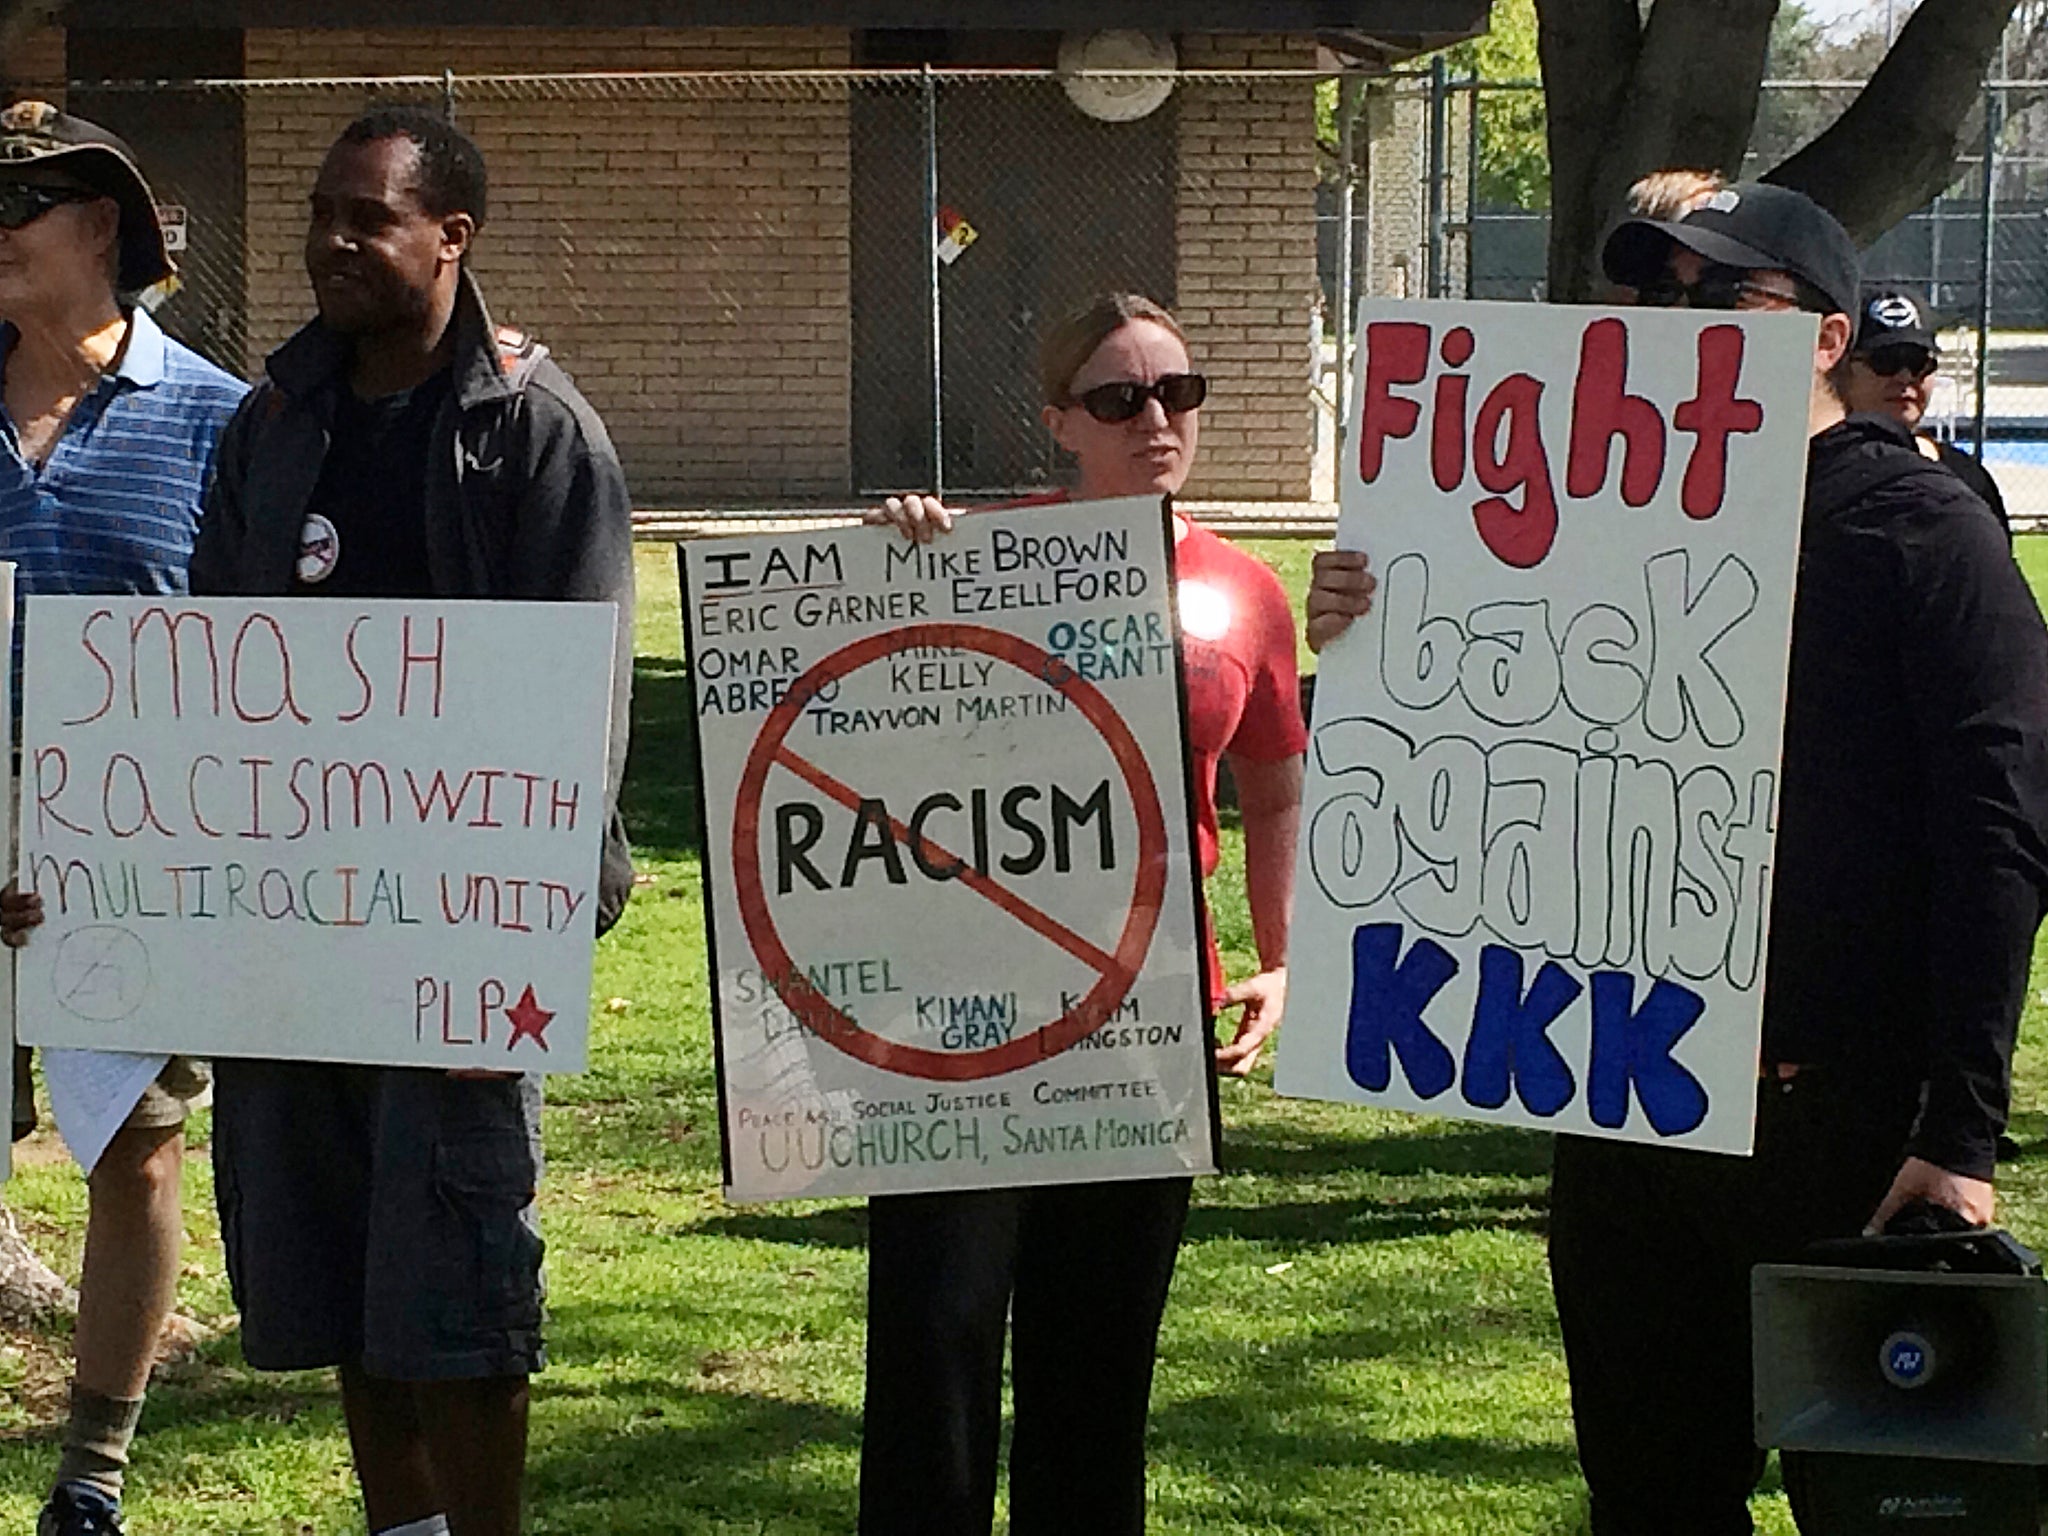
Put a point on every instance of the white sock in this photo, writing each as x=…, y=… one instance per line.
x=433, y=1525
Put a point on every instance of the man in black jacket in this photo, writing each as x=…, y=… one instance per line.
x=1911, y=873
x=381, y=1220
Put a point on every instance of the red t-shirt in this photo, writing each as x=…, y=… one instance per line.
x=1237, y=650
x=1244, y=695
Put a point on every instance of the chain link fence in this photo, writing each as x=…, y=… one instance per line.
x=1978, y=252
x=802, y=288
x=805, y=288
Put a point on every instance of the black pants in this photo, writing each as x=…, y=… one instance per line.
x=1650, y=1255
x=1081, y=1272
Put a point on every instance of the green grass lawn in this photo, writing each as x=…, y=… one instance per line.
x=1360, y=1338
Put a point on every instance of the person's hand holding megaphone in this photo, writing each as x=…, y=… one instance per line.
x=1972, y=1199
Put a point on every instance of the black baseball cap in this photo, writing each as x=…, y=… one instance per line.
x=36, y=133
x=1753, y=225
x=1891, y=316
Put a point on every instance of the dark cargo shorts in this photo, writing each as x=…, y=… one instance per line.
x=381, y=1217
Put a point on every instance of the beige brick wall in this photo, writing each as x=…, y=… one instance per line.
x=685, y=251
x=1397, y=189
x=34, y=66
x=684, y=254
x=1245, y=222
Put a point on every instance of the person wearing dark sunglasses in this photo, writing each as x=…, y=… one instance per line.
x=1909, y=877
x=948, y=1272
x=1891, y=373
x=110, y=432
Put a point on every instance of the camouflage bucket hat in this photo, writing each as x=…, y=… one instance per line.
x=36, y=133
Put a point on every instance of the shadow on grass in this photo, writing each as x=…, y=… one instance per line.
x=1463, y=1149
x=213, y=1403
x=1259, y=1431
x=710, y=1461
x=1366, y=1219
x=1382, y=1216
x=840, y=1226
x=660, y=794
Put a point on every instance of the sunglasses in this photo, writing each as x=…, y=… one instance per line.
x=21, y=205
x=1900, y=357
x=1716, y=288
x=1177, y=393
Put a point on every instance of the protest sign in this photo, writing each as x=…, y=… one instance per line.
x=314, y=829
x=948, y=855
x=7, y=819
x=1537, y=825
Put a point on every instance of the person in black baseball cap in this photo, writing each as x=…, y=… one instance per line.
x=1891, y=372
x=1908, y=876
x=1735, y=236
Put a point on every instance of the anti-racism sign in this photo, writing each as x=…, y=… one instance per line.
x=951, y=891
x=316, y=829
x=1537, y=826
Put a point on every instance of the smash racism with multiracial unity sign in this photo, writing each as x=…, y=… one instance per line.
x=948, y=854
x=1542, y=784
x=313, y=828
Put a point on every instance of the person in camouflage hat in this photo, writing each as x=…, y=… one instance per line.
x=42, y=146
x=107, y=439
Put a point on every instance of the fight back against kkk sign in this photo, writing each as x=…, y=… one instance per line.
x=324, y=830
x=951, y=891
x=1542, y=785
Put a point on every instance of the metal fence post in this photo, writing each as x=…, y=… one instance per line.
x=932, y=268
x=1439, y=151
x=1347, y=152
x=1471, y=175
x=1934, y=234
x=448, y=94
x=1987, y=217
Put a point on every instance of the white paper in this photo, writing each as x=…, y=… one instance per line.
x=912, y=991
x=315, y=829
x=1537, y=825
x=92, y=1094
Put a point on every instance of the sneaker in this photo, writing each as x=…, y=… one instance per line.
x=76, y=1510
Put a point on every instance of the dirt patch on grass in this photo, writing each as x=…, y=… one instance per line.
x=35, y=1372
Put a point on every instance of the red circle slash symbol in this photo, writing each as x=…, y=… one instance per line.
x=1115, y=970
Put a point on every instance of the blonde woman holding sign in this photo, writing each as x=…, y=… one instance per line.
x=1082, y=1270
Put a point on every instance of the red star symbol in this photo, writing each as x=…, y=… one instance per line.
x=530, y=1021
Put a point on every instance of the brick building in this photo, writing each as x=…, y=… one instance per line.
x=721, y=229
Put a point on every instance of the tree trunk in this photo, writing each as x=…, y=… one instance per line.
x=1627, y=97
x=1588, y=51
x=31, y=1293
x=1896, y=145
x=1679, y=91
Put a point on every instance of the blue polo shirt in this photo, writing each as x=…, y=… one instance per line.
x=116, y=506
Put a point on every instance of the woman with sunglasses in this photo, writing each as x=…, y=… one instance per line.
x=1082, y=1270
x=1891, y=373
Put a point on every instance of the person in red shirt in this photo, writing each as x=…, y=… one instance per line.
x=1081, y=1270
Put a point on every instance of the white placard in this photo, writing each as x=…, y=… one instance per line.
x=315, y=828
x=1542, y=785
x=7, y=990
x=171, y=219
x=948, y=855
